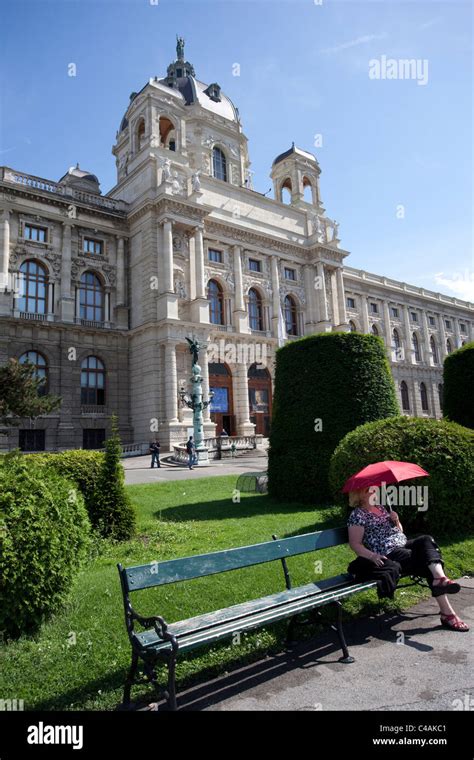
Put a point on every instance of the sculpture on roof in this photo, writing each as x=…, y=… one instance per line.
x=180, y=48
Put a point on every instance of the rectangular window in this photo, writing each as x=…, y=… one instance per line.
x=32, y=440
x=432, y=321
x=448, y=324
x=93, y=438
x=351, y=303
x=374, y=308
x=462, y=328
x=36, y=234
x=414, y=316
x=89, y=245
x=215, y=255
x=395, y=312
x=255, y=265
x=290, y=274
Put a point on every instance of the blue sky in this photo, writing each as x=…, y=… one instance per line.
x=303, y=72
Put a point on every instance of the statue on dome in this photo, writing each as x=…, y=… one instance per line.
x=335, y=230
x=180, y=48
x=196, y=182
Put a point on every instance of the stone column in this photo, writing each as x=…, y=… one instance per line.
x=241, y=400
x=199, y=250
x=167, y=285
x=341, y=298
x=323, y=307
x=192, y=268
x=4, y=249
x=408, y=333
x=364, y=314
x=442, y=331
x=171, y=384
x=388, y=328
x=107, y=306
x=50, y=297
x=426, y=339
x=415, y=390
x=120, y=271
x=311, y=316
x=240, y=321
x=276, y=306
x=457, y=332
x=334, y=299
x=78, y=302
x=203, y=361
x=66, y=298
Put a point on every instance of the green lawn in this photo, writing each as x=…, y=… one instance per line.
x=79, y=658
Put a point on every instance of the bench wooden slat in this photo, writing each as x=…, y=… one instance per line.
x=187, y=568
x=224, y=629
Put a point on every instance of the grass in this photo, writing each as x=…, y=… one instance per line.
x=79, y=658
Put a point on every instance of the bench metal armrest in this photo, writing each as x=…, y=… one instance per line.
x=156, y=622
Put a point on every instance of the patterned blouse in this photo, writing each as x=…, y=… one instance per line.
x=380, y=534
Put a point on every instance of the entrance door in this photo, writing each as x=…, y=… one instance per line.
x=260, y=399
x=222, y=406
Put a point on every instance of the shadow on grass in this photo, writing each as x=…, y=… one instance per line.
x=250, y=506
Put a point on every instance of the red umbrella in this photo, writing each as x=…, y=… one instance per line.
x=383, y=472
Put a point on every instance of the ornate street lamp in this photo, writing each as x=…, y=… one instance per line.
x=195, y=401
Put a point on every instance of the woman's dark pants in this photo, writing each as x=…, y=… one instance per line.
x=416, y=555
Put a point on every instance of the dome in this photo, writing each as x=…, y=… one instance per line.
x=182, y=82
x=79, y=178
x=297, y=151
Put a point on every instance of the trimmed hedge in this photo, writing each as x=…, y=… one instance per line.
x=82, y=467
x=444, y=449
x=44, y=537
x=344, y=380
x=458, y=385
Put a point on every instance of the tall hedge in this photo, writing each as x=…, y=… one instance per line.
x=44, y=536
x=82, y=467
x=442, y=448
x=341, y=379
x=458, y=385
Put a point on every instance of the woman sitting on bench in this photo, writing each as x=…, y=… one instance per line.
x=377, y=537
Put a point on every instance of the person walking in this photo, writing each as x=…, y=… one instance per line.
x=155, y=453
x=191, y=452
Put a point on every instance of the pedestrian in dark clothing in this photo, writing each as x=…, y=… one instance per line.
x=191, y=452
x=155, y=453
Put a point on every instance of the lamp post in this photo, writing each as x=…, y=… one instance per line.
x=195, y=402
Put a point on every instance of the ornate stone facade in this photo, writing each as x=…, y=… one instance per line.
x=125, y=277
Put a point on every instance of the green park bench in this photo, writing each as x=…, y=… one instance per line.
x=162, y=641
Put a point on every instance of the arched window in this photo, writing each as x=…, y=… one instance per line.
x=140, y=134
x=41, y=368
x=434, y=350
x=91, y=298
x=255, y=310
x=92, y=381
x=291, y=316
x=375, y=330
x=440, y=395
x=307, y=190
x=424, y=398
x=167, y=133
x=449, y=348
x=33, y=288
x=396, y=341
x=286, y=191
x=405, y=396
x=352, y=325
x=216, y=302
x=416, y=347
x=219, y=164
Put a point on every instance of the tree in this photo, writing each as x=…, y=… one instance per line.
x=458, y=382
x=20, y=393
x=112, y=510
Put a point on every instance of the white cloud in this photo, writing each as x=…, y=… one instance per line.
x=354, y=43
x=431, y=22
x=461, y=284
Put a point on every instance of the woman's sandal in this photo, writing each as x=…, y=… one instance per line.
x=445, y=587
x=453, y=622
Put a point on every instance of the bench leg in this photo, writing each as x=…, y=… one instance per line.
x=346, y=658
x=290, y=641
x=173, y=705
x=130, y=680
